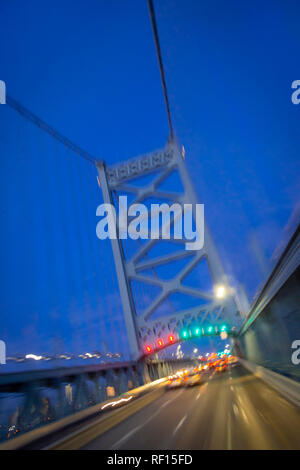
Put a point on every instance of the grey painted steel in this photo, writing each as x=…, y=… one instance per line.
x=142, y=327
x=125, y=292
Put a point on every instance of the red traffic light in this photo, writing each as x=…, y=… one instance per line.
x=148, y=348
x=160, y=342
x=171, y=339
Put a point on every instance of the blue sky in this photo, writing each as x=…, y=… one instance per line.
x=89, y=69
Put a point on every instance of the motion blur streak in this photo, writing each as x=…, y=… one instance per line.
x=232, y=410
x=117, y=402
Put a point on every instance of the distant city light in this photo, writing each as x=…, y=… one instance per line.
x=33, y=356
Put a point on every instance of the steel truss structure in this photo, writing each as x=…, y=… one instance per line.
x=141, y=328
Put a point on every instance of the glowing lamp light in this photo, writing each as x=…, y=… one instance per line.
x=160, y=342
x=171, y=339
x=220, y=292
x=148, y=348
x=33, y=356
x=223, y=335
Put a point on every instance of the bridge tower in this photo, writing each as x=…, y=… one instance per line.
x=147, y=325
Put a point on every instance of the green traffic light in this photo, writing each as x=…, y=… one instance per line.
x=210, y=328
x=197, y=331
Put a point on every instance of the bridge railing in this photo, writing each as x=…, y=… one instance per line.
x=31, y=399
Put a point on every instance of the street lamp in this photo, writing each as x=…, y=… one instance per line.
x=220, y=291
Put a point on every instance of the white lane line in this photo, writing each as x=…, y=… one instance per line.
x=231, y=388
x=165, y=404
x=134, y=430
x=203, y=388
x=124, y=438
x=235, y=409
x=179, y=424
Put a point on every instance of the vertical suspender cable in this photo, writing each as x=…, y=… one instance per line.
x=160, y=63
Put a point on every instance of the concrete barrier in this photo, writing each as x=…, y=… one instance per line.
x=287, y=387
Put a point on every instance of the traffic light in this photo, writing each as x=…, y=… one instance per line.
x=223, y=327
x=210, y=329
x=148, y=348
x=197, y=331
x=185, y=334
x=171, y=339
x=160, y=342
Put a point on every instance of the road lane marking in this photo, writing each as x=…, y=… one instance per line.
x=235, y=409
x=179, y=425
x=203, y=388
x=125, y=438
x=245, y=416
x=137, y=428
x=165, y=404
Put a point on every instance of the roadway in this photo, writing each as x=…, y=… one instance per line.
x=232, y=410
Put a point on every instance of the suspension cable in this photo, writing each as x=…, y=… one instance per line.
x=160, y=63
x=48, y=129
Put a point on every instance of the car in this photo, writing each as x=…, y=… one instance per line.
x=221, y=367
x=232, y=360
x=194, y=379
x=174, y=382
